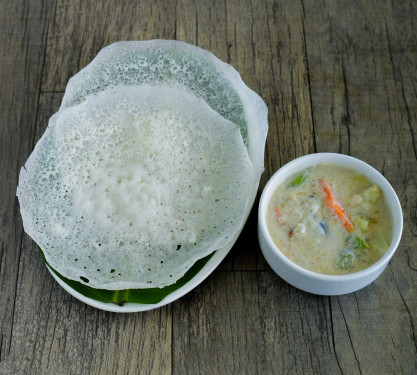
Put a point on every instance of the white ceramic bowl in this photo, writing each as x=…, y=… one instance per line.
x=313, y=282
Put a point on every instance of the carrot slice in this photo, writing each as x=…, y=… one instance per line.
x=333, y=204
x=278, y=212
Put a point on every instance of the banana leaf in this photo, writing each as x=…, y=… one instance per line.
x=120, y=297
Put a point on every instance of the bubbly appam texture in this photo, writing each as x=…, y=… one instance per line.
x=132, y=186
x=176, y=63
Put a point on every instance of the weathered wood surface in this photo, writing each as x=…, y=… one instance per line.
x=336, y=75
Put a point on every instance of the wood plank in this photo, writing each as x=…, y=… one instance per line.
x=82, y=28
x=292, y=133
x=267, y=46
x=255, y=323
x=252, y=323
x=203, y=23
x=23, y=33
x=53, y=333
x=373, y=329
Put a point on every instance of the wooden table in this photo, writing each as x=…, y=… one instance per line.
x=337, y=76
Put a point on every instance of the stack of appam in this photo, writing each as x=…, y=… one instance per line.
x=150, y=164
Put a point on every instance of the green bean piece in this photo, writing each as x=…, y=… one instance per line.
x=299, y=179
x=346, y=259
x=356, y=242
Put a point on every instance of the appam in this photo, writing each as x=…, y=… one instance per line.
x=110, y=193
x=171, y=62
x=138, y=182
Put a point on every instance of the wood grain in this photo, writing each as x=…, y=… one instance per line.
x=373, y=329
x=362, y=106
x=274, y=48
x=252, y=323
x=337, y=76
x=82, y=28
x=23, y=33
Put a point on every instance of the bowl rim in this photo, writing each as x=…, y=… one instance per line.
x=343, y=160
